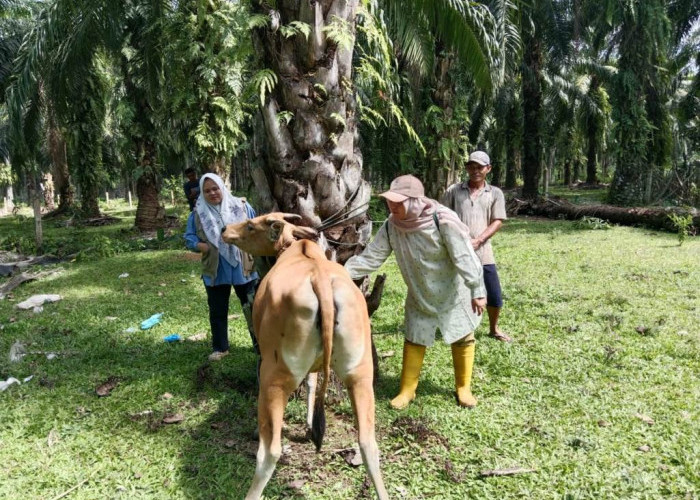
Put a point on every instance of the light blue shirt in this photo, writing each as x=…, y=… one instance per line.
x=226, y=273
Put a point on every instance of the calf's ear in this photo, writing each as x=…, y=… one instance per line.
x=285, y=239
x=304, y=233
x=276, y=229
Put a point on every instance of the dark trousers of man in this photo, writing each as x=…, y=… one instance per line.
x=218, y=300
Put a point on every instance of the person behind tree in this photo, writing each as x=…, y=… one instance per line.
x=482, y=208
x=191, y=187
x=444, y=280
x=223, y=265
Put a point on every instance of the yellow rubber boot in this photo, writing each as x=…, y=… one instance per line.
x=463, y=360
x=413, y=355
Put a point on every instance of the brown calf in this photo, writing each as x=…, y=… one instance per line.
x=308, y=315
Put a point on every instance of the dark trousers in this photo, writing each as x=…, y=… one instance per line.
x=218, y=300
x=494, y=296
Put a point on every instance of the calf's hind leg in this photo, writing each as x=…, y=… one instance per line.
x=362, y=397
x=271, y=403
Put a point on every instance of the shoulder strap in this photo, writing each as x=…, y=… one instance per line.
x=437, y=224
x=435, y=219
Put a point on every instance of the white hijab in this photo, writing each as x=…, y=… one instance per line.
x=215, y=217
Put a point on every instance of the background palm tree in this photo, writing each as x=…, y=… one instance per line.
x=331, y=94
x=314, y=164
x=641, y=91
x=71, y=47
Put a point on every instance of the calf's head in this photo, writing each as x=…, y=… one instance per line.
x=267, y=235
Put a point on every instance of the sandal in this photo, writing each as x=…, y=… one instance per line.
x=217, y=355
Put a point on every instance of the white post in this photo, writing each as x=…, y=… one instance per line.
x=107, y=197
x=130, y=206
x=172, y=198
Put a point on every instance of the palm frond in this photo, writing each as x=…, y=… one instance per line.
x=506, y=37
x=683, y=15
x=461, y=25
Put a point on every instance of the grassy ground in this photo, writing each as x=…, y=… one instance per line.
x=605, y=361
x=580, y=196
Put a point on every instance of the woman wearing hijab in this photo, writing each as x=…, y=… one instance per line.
x=223, y=265
x=444, y=280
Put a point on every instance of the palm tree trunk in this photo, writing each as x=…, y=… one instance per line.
x=511, y=170
x=549, y=171
x=567, y=171
x=591, y=163
x=441, y=171
x=313, y=162
x=85, y=125
x=220, y=167
x=532, y=111
x=48, y=191
x=593, y=133
x=512, y=145
x=497, y=168
x=150, y=214
x=35, y=199
x=56, y=145
x=643, y=134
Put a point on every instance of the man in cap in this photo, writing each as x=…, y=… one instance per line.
x=444, y=280
x=482, y=208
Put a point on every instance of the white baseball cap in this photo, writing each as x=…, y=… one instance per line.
x=479, y=157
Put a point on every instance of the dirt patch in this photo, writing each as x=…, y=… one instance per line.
x=418, y=430
x=204, y=375
x=189, y=256
x=417, y=442
x=106, y=387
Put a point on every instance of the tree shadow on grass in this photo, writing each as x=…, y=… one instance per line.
x=155, y=380
x=95, y=331
x=219, y=461
x=222, y=449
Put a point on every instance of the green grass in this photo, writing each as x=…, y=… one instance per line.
x=588, y=196
x=575, y=300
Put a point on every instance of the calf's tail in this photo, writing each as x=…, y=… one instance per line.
x=323, y=288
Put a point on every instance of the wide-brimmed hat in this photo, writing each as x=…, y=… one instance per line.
x=479, y=157
x=403, y=187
